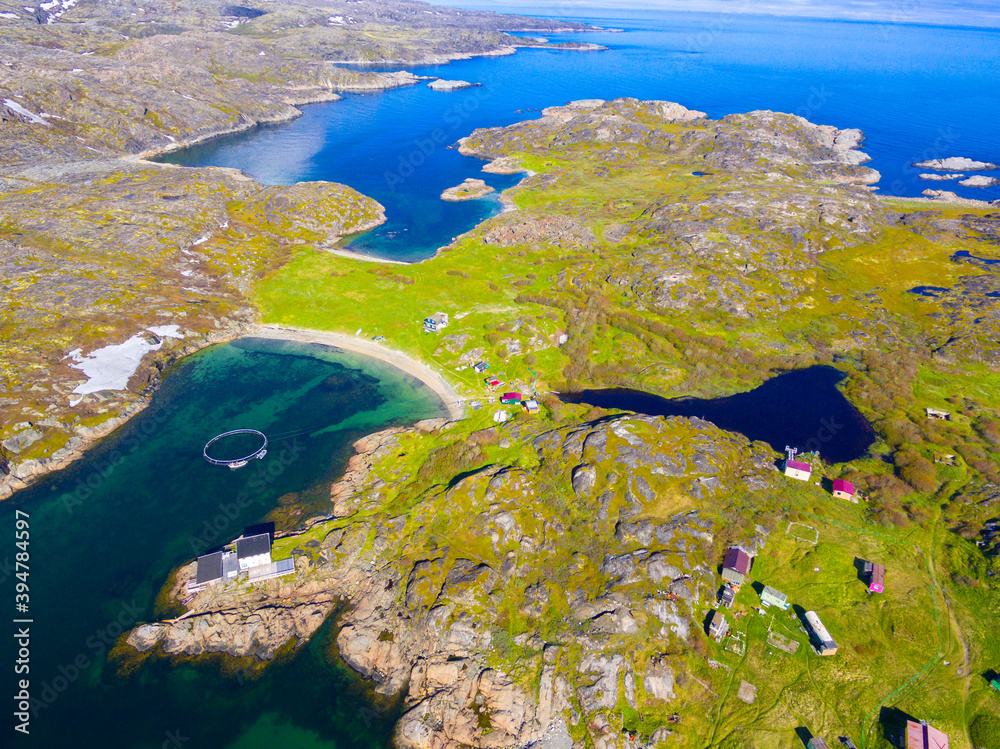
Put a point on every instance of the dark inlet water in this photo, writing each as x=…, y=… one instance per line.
x=889, y=80
x=106, y=532
x=802, y=409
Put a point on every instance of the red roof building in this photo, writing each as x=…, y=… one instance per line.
x=923, y=736
x=843, y=489
x=735, y=566
x=798, y=470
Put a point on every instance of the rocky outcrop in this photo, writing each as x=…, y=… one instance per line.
x=470, y=189
x=979, y=180
x=442, y=85
x=421, y=607
x=956, y=164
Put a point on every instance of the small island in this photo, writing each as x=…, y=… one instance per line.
x=956, y=164
x=468, y=190
x=979, y=180
x=442, y=85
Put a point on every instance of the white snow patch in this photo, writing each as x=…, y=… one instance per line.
x=199, y=241
x=15, y=107
x=9, y=15
x=48, y=6
x=77, y=70
x=166, y=331
x=110, y=368
x=28, y=8
x=187, y=273
x=171, y=138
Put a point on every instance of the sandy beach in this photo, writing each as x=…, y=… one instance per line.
x=417, y=369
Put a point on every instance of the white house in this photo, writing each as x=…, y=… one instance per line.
x=253, y=551
x=797, y=470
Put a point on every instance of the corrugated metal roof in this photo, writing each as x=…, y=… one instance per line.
x=878, y=575
x=798, y=465
x=818, y=628
x=774, y=595
x=839, y=485
x=253, y=546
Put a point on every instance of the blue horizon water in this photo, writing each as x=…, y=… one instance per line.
x=892, y=81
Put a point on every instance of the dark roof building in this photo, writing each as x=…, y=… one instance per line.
x=209, y=568
x=253, y=550
x=876, y=579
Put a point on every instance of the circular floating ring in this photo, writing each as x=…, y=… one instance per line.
x=259, y=453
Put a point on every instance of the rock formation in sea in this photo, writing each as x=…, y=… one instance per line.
x=442, y=85
x=470, y=189
x=956, y=164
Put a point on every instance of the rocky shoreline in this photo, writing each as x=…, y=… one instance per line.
x=416, y=626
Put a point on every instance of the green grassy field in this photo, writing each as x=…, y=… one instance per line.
x=586, y=267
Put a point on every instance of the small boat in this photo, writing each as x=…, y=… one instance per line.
x=261, y=454
x=237, y=464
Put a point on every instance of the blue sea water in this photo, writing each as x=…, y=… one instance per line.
x=918, y=92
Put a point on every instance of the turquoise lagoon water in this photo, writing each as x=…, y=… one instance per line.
x=917, y=92
x=105, y=533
